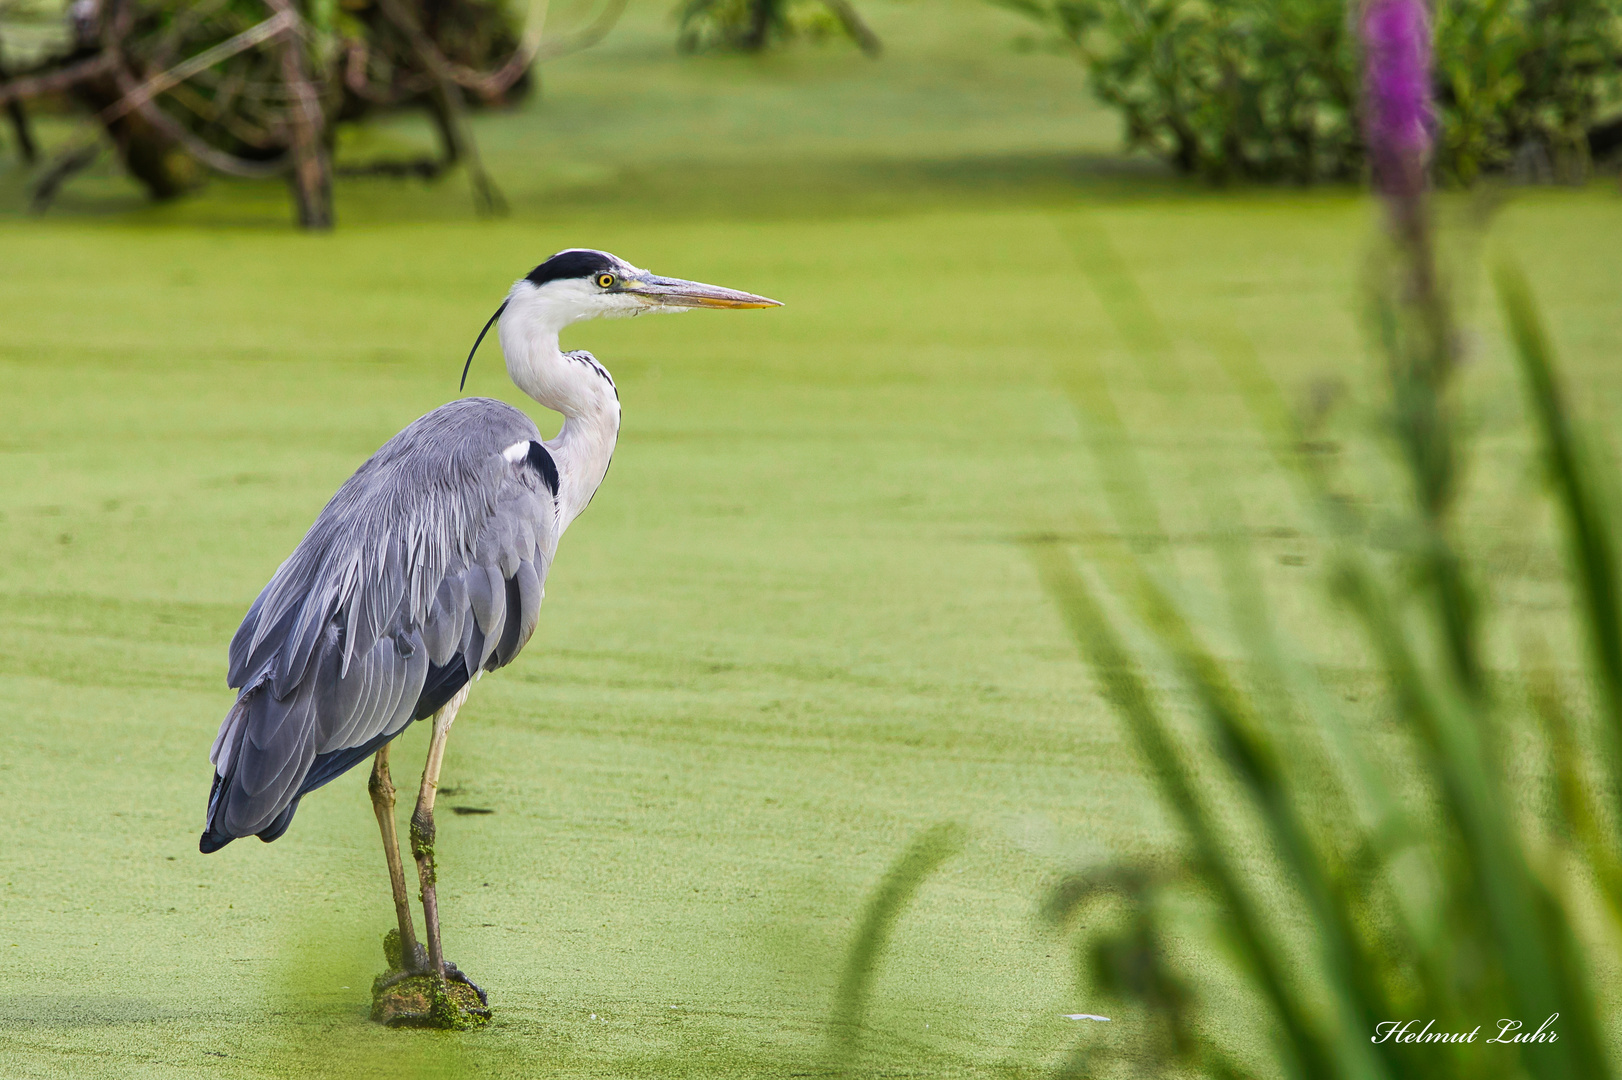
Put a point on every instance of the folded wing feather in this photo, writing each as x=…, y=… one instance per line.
x=435, y=551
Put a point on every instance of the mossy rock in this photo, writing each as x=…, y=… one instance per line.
x=418, y=1000
x=422, y=1001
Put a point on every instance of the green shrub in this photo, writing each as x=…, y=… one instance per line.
x=754, y=25
x=1268, y=89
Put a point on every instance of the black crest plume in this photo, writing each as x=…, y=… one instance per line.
x=477, y=342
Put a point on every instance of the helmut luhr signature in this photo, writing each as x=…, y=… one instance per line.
x=1509, y=1031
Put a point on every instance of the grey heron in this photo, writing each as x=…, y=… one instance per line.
x=424, y=570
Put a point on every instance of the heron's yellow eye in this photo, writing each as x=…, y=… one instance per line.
x=605, y=280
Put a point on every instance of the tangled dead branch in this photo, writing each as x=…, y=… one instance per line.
x=255, y=88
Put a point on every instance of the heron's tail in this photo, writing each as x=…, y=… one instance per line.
x=257, y=787
x=213, y=840
x=214, y=837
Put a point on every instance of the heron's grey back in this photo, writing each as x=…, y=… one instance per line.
x=435, y=551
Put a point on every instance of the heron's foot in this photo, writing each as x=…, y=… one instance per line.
x=453, y=974
x=415, y=998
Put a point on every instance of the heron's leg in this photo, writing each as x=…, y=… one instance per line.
x=422, y=828
x=382, y=789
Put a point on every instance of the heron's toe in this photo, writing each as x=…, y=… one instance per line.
x=453, y=974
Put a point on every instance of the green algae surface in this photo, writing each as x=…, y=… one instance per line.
x=794, y=630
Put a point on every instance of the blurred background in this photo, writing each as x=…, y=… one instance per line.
x=1090, y=276
x=964, y=97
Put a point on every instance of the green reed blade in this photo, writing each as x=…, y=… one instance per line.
x=893, y=893
x=1589, y=527
x=1103, y=649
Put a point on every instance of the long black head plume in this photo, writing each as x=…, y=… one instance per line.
x=477, y=343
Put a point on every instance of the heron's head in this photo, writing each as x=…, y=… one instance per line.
x=582, y=284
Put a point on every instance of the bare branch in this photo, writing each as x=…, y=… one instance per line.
x=283, y=20
x=218, y=160
x=73, y=160
x=583, y=39
x=311, y=176
x=853, y=25
x=61, y=79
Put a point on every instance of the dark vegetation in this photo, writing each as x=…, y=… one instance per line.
x=256, y=89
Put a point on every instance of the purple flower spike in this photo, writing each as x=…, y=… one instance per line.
x=1397, y=116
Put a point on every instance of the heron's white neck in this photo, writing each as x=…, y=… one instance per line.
x=578, y=388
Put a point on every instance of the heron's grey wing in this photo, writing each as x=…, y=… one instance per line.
x=425, y=567
x=505, y=577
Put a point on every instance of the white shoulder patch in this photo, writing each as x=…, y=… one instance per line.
x=517, y=452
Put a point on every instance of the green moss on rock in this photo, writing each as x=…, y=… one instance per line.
x=421, y=1001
